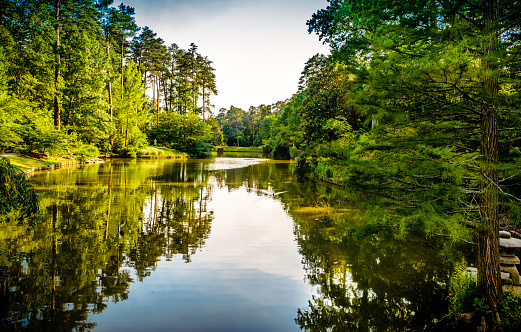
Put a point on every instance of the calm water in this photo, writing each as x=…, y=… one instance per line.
x=224, y=244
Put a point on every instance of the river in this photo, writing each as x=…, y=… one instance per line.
x=220, y=244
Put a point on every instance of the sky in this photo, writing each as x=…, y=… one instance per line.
x=258, y=47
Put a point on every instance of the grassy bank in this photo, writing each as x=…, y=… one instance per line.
x=160, y=152
x=25, y=163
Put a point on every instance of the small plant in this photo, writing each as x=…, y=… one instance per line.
x=462, y=290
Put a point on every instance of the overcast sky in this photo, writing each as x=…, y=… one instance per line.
x=258, y=47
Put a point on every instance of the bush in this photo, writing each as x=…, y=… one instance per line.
x=281, y=152
x=17, y=196
x=293, y=152
x=86, y=152
x=129, y=151
x=510, y=312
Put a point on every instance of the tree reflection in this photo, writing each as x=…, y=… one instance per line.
x=100, y=226
x=378, y=283
x=375, y=282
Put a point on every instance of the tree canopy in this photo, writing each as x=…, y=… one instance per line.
x=78, y=73
x=440, y=79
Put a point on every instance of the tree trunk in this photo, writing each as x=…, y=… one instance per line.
x=109, y=87
x=172, y=77
x=122, y=51
x=158, y=91
x=489, y=277
x=204, y=104
x=126, y=132
x=57, y=121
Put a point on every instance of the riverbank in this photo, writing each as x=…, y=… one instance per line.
x=30, y=164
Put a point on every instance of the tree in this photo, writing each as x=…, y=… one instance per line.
x=234, y=125
x=131, y=117
x=438, y=75
x=327, y=99
x=16, y=193
x=206, y=77
x=117, y=25
x=313, y=67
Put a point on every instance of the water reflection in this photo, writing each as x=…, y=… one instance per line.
x=376, y=282
x=266, y=249
x=98, y=224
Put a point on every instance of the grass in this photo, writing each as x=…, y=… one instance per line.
x=153, y=151
x=239, y=149
x=25, y=163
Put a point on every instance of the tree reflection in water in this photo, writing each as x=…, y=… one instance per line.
x=379, y=282
x=107, y=226
x=100, y=225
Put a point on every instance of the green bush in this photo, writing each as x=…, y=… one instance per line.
x=129, y=151
x=293, y=152
x=510, y=312
x=281, y=152
x=18, y=199
x=86, y=152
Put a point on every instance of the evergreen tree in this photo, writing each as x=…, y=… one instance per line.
x=437, y=75
x=207, y=84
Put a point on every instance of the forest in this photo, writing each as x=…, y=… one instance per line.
x=80, y=78
x=416, y=108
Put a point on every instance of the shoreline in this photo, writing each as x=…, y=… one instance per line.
x=101, y=159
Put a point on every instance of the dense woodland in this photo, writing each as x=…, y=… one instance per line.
x=417, y=107
x=81, y=77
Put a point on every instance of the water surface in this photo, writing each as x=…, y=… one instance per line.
x=222, y=244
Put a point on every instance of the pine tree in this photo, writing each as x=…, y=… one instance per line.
x=438, y=76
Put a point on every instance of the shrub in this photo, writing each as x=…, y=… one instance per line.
x=86, y=151
x=510, y=312
x=18, y=198
x=293, y=152
x=281, y=152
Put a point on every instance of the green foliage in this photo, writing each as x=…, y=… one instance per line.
x=187, y=133
x=462, y=290
x=154, y=151
x=293, y=152
x=509, y=310
x=65, y=81
x=283, y=128
x=436, y=79
x=86, y=152
x=327, y=99
x=17, y=195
